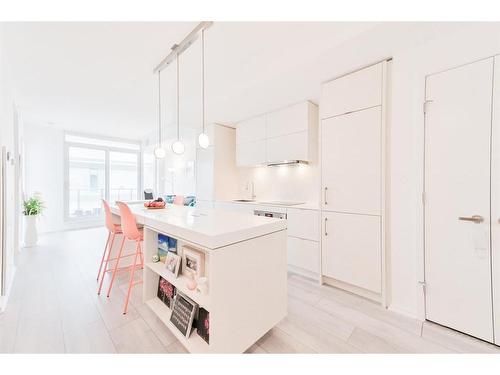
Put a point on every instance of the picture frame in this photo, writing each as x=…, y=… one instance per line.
x=193, y=262
x=173, y=263
x=184, y=311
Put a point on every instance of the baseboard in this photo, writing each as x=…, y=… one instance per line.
x=303, y=272
x=4, y=299
x=352, y=289
x=404, y=311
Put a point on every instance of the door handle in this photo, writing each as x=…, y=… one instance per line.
x=475, y=218
x=326, y=231
x=326, y=200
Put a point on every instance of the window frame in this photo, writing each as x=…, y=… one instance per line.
x=107, y=149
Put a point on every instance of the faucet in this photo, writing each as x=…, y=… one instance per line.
x=253, y=196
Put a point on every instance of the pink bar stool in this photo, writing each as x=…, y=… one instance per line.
x=132, y=233
x=113, y=230
x=179, y=200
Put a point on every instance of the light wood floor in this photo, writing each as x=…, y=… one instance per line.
x=54, y=309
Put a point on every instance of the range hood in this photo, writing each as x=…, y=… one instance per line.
x=286, y=162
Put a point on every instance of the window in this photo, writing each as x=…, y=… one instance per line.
x=96, y=169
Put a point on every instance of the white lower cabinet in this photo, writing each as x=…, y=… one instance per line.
x=303, y=223
x=351, y=249
x=303, y=255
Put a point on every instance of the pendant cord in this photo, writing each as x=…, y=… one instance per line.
x=178, y=112
x=159, y=110
x=203, y=78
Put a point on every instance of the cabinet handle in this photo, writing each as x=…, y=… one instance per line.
x=326, y=230
x=326, y=200
x=475, y=219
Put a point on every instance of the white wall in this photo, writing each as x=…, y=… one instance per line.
x=44, y=171
x=7, y=135
x=409, y=69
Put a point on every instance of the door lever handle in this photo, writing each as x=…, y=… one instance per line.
x=475, y=218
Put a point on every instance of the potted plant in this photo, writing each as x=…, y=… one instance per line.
x=33, y=206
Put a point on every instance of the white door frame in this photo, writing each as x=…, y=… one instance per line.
x=421, y=308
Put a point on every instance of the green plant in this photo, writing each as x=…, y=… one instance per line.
x=33, y=205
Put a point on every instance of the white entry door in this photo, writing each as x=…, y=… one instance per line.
x=457, y=199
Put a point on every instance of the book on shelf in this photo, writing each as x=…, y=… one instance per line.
x=203, y=324
x=166, y=292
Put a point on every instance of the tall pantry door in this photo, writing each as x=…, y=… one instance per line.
x=458, y=128
x=495, y=199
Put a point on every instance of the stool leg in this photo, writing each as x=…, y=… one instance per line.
x=141, y=254
x=103, y=255
x=116, y=266
x=110, y=250
x=132, y=272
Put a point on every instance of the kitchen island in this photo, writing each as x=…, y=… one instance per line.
x=244, y=262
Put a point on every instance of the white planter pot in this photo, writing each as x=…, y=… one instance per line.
x=30, y=231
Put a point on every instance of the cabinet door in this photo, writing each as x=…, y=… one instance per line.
x=351, y=249
x=303, y=254
x=495, y=200
x=288, y=147
x=288, y=120
x=303, y=223
x=351, y=162
x=251, y=154
x=353, y=92
x=251, y=130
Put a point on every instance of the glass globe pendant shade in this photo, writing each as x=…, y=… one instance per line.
x=203, y=140
x=178, y=147
x=160, y=152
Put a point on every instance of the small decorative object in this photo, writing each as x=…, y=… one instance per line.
x=33, y=207
x=193, y=262
x=202, y=285
x=173, y=263
x=183, y=313
x=155, y=258
x=166, y=292
x=191, y=284
x=203, y=324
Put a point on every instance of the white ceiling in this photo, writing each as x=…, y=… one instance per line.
x=97, y=77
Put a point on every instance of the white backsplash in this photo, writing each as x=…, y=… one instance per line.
x=281, y=183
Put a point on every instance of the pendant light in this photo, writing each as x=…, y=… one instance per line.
x=203, y=139
x=159, y=150
x=178, y=146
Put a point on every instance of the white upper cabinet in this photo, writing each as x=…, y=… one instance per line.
x=287, y=134
x=288, y=147
x=251, y=154
x=251, y=130
x=289, y=120
x=353, y=92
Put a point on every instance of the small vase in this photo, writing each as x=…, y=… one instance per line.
x=30, y=231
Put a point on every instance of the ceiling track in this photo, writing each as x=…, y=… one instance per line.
x=178, y=49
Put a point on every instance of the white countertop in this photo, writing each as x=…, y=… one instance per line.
x=303, y=206
x=209, y=228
